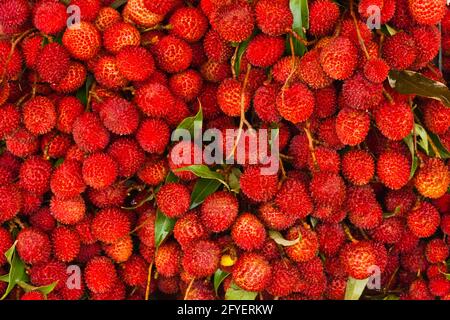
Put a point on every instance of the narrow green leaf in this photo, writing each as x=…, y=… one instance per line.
x=388, y=30
x=355, y=288
x=47, y=289
x=410, y=82
x=163, y=227
x=314, y=221
x=234, y=180
x=202, y=171
x=83, y=93
x=16, y=272
x=202, y=189
x=236, y=293
x=300, y=12
x=219, y=277
x=422, y=137
x=188, y=123
x=171, y=177
x=4, y=278
x=392, y=214
x=242, y=48
x=392, y=297
x=409, y=140
x=118, y=3
x=279, y=239
x=443, y=152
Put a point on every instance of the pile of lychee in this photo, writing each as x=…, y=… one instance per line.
x=87, y=176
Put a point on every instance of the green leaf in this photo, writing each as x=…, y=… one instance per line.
x=422, y=137
x=47, y=289
x=4, y=278
x=409, y=140
x=392, y=297
x=188, y=123
x=410, y=82
x=118, y=3
x=236, y=293
x=163, y=227
x=16, y=272
x=300, y=12
x=234, y=180
x=242, y=48
x=171, y=177
x=202, y=171
x=219, y=277
x=314, y=221
x=278, y=238
x=202, y=189
x=58, y=162
x=388, y=30
x=392, y=214
x=355, y=288
x=443, y=152
x=83, y=92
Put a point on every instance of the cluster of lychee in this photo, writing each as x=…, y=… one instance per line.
x=86, y=115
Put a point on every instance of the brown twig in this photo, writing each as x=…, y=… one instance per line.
x=149, y=280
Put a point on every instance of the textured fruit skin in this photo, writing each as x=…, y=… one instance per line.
x=119, y=116
x=331, y=237
x=216, y=48
x=135, y=63
x=67, y=181
x=306, y=248
x=201, y=259
x=423, y=220
x=219, y=211
x=436, y=251
x=107, y=73
x=9, y=120
x=128, y=156
x=12, y=65
x=187, y=85
x=296, y=103
x=99, y=170
x=428, y=12
x=399, y=51
x=13, y=15
x=138, y=13
x=100, y=275
x=155, y=100
x=395, y=121
x=393, y=169
x=361, y=94
x=33, y=246
x=70, y=211
x=233, y=22
x=357, y=258
x=119, y=36
x=189, y=24
x=352, y=126
x=323, y=16
x=339, y=58
x=257, y=186
x=168, y=259
x=310, y=72
x=89, y=133
x=110, y=225
x=153, y=136
x=358, y=167
x=73, y=80
x=273, y=17
x=327, y=189
x=68, y=109
x=263, y=51
x=264, y=103
x=53, y=63
x=428, y=42
x=84, y=42
x=35, y=175
x=39, y=115
x=49, y=17
x=231, y=97
x=436, y=117
x=6, y=242
x=66, y=244
x=274, y=218
x=293, y=199
x=376, y=70
x=248, y=232
x=364, y=210
x=189, y=229
x=252, y=272
x=165, y=199
x=173, y=54
x=107, y=16
x=285, y=278
x=432, y=179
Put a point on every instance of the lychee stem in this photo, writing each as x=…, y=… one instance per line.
x=349, y=234
x=149, y=279
x=188, y=289
x=233, y=62
x=358, y=32
x=311, y=144
x=243, y=120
